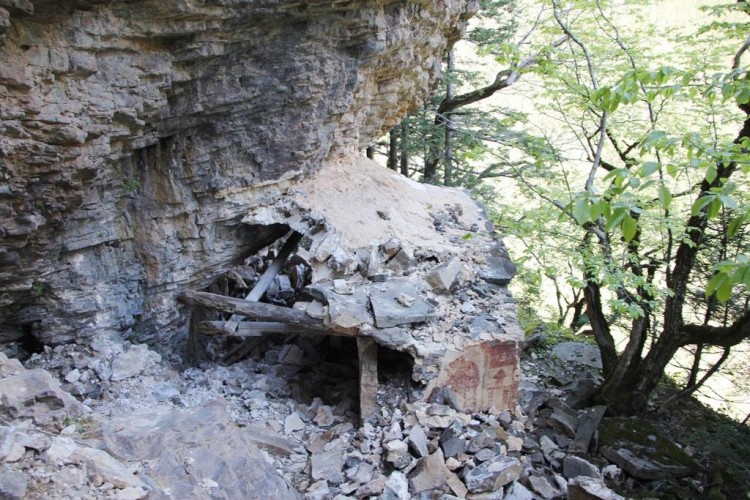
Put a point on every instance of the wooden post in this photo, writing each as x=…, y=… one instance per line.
x=368, y=378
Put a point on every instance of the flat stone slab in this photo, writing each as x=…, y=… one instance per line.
x=579, y=352
x=388, y=304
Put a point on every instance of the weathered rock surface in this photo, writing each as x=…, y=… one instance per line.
x=135, y=137
x=194, y=454
x=35, y=395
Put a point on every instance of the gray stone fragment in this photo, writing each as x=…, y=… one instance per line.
x=588, y=488
x=371, y=488
x=187, y=448
x=398, y=453
x=165, y=391
x=103, y=468
x=324, y=416
x=318, y=491
x=60, y=450
x=576, y=466
x=328, y=465
x=418, y=441
x=443, y=277
x=454, y=446
x=484, y=326
x=292, y=423
x=430, y=473
x=517, y=491
x=132, y=362
x=498, y=271
x=12, y=485
x=485, y=439
x=346, y=311
x=396, y=487
x=640, y=466
x=543, y=487
x=579, y=352
x=392, y=338
x=316, y=310
x=490, y=476
x=389, y=312
x=36, y=395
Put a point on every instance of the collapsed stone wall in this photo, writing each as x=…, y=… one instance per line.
x=135, y=137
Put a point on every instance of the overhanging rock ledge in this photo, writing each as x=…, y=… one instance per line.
x=146, y=146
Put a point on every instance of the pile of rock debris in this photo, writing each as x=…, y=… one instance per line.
x=115, y=420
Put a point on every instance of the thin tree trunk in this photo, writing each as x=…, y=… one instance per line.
x=448, y=147
x=404, y=148
x=393, y=149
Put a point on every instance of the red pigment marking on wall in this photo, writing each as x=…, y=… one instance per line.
x=464, y=380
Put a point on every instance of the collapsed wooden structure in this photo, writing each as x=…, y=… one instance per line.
x=269, y=319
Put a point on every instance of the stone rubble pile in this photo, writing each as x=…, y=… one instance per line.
x=250, y=430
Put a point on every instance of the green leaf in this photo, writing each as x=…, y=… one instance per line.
x=629, y=227
x=724, y=292
x=648, y=168
x=665, y=197
x=615, y=218
x=581, y=211
x=714, y=208
x=700, y=203
x=715, y=282
x=711, y=173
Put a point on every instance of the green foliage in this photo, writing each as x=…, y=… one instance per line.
x=37, y=289
x=130, y=185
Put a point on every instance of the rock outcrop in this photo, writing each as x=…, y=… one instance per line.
x=136, y=136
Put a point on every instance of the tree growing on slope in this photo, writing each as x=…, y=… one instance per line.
x=662, y=205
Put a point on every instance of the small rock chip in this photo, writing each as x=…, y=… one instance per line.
x=293, y=423
x=324, y=416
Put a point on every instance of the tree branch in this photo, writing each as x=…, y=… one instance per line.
x=724, y=336
x=503, y=79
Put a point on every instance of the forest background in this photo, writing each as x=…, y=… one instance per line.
x=609, y=140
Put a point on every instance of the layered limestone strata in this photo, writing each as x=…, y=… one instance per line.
x=135, y=137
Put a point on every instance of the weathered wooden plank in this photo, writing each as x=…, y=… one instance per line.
x=257, y=328
x=255, y=310
x=368, y=377
x=267, y=277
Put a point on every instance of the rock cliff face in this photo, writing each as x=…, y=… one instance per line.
x=135, y=136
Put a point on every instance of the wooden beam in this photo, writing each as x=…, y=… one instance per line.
x=257, y=328
x=267, y=277
x=255, y=310
x=367, y=350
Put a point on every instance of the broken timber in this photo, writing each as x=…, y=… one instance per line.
x=258, y=328
x=255, y=295
x=262, y=312
x=267, y=277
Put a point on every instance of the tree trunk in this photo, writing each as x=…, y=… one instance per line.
x=448, y=147
x=370, y=152
x=404, y=148
x=393, y=149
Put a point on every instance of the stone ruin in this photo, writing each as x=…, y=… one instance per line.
x=148, y=147
x=395, y=265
